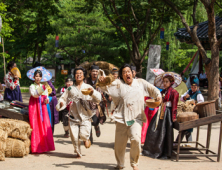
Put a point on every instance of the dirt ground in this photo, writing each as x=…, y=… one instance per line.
x=101, y=154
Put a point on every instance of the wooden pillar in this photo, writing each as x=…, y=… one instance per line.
x=178, y=146
x=208, y=137
x=197, y=138
x=219, y=145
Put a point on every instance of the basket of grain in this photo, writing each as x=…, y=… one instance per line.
x=187, y=116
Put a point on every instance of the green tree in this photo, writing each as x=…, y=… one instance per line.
x=137, y=22
x=212, y=8
x=83, y=36
x=31, y=24
x=5, y=30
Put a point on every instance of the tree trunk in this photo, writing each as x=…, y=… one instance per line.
x=33, y=62
x=38, y=49
x=213, y=74
x=136, y=54
x=138, y=68
x=77, y=61
x=213, y=69
x=136, y=58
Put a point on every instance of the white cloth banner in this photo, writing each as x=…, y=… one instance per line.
x=153, y=62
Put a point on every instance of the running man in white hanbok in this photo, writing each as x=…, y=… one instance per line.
x=128, y=95
x=79, y=113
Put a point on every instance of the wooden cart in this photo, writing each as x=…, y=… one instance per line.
x=197, y=123
x=13, y=115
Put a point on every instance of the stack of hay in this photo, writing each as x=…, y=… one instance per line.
x=14, y=138
x=187, y=106
x=105, y=66
x=185, y=111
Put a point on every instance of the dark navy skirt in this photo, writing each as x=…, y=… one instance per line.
x=11, y=95
x=159, y=143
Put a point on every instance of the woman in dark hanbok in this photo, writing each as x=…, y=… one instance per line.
x=53, y=103
x=12, y=90
x=159, y=138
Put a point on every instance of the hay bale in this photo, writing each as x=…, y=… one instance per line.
x=3, y=137
x=16, y=128
x=107, y=72
x=187, y=106
x=15, y=148
x=102, y=65
x=108, y=81
x=27, y=143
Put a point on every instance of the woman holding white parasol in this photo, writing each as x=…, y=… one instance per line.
x=159, y=138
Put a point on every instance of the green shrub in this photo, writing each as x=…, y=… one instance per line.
x=24, y=90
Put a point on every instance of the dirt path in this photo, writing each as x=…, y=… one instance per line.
x=101, y=154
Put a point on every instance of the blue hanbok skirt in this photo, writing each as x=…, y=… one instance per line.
x=49, y=110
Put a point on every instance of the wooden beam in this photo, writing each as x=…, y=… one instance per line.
x=200, y=122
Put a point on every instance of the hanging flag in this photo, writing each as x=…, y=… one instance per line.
x=161, y=33
x=0, y=40
x=57, y=41
x=167, y=45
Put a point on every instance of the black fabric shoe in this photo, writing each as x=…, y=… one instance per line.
x=66, y=134
x=91, y=137
x=97, y=129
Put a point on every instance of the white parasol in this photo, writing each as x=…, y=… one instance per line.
x=158, y=82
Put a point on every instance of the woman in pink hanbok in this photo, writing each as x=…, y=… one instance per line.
x=41, y=137
x=149, y=115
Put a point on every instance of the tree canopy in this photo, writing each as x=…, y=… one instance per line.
x=89, y=30
x=83, y=37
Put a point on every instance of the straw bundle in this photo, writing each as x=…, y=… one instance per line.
x=107, y=72
x=107, y=67
x=187, y=106
x=85, y=65
x=14, y=148
x=108, y=80
x=27, y=143
x=3, y=137
x=16, y=128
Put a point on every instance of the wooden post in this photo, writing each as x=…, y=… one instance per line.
x=178, y=146
x=208, y=137
x=197, y=139
x=3, y=55
x=219, y=145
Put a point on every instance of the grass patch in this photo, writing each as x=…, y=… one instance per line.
x=24, y=90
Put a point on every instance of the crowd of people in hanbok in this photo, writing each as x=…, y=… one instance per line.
x=150, y=130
